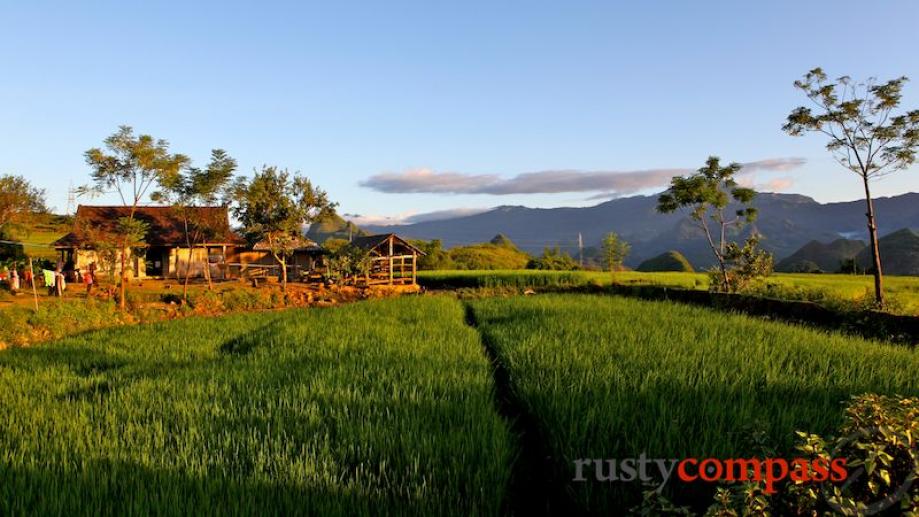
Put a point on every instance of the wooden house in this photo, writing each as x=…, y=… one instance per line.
x=258, y=261
x=164, y=252
x=393, y=260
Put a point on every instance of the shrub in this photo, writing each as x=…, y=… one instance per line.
x=669, y=261
x=435, y=257
x=236, y=299
x=747, y=267
x=553, y=259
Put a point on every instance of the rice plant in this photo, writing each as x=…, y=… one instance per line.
x=381, y=407
x=608, y=377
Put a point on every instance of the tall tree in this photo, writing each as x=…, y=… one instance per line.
x=865, y=134
x=274, y=206
x=130, y=167
x=191, y=189
x=707, y=194
x=19, y=199
x=615, y=250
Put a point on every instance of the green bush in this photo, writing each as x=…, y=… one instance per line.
x=236, y=299
x=553, y=259
x=669, y=261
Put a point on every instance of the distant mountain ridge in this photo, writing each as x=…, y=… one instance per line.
x=899, y=253
x=786, y=221
x=816, y=256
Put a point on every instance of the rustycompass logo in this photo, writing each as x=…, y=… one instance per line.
x=658, y=472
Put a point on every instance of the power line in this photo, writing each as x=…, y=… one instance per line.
x=18, y=243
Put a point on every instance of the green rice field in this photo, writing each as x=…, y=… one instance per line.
x=903, y=290
x=391, y=406
x=379, y=407
x=607, y=377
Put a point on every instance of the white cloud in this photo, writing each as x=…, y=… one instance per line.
x=610, y=183
x=411, y=217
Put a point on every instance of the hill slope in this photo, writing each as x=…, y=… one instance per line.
x=670, y=261
x=899, y=253
x=820, y=256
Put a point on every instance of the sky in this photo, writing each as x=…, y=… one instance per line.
x=406, y=111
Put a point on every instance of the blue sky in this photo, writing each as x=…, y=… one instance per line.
x=372, y=99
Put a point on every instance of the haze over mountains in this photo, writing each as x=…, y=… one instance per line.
x=786, y=221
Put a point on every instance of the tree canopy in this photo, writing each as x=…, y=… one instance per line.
x=707, y=195
x=130, y=166
x=275, y=206
x=18, y=199
x=614, y=251
x=864, y=132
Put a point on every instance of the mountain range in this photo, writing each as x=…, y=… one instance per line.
x=819, y=256
x=786, y=223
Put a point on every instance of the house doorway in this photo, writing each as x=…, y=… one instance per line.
x=156, y=258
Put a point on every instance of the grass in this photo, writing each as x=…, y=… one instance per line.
x=841, y=288
x=608, y=377
x=380, y=407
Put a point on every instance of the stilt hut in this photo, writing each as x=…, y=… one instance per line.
x=393, y=260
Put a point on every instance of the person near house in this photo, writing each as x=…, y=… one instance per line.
x=60, y=283
x=88, y=282
x=27, y=278
x=14, y=280
x=92, y=271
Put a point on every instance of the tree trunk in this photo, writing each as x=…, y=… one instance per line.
x=875, y=249
x=283, y=263
x=718, y=252
x=207, y=269
x=187, y=274
x=121, y=302
x=283, y=274
x=188, y=262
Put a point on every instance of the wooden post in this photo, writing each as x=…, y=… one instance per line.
x=34, y=292
x=414, y=267
x=391, y=263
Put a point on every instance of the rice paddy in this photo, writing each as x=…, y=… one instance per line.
x=388, y=406
x=381, y=407
x=607, y=377
x=902, y=290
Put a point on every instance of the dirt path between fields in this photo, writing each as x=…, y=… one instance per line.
x=534, y=487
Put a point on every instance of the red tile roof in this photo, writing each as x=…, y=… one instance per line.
x=166, y=226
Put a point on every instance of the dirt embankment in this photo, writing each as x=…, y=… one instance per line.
x=151, y=301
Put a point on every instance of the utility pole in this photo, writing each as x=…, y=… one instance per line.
x=71, y=198
x=580, y=250
x=32, y=276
